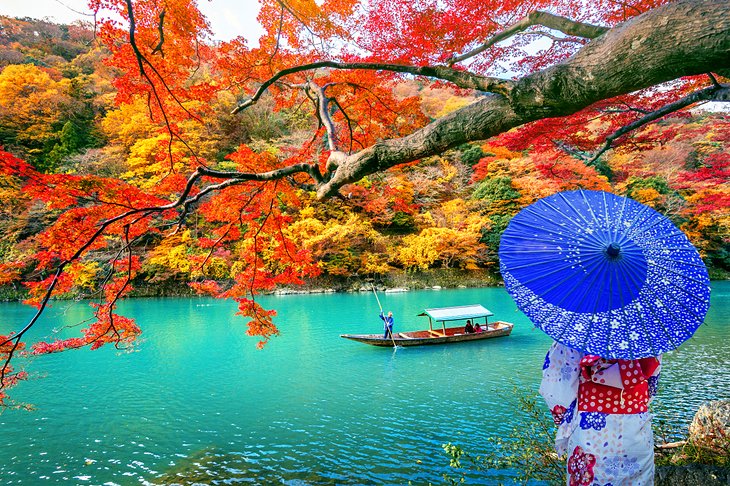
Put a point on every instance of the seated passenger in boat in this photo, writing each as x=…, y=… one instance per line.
x=478, y=328
x=468, y=329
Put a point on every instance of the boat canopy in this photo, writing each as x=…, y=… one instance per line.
x=457, y=313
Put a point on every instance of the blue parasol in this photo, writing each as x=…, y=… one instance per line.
x=604, y=274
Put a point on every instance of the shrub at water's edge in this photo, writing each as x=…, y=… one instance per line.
x=528, y=454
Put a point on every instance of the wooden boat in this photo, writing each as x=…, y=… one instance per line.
x=443, y=334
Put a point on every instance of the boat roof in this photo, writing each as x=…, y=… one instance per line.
x=457, y=313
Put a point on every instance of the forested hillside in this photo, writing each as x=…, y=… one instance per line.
x=61, y=113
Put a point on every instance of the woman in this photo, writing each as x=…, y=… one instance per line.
x=601, y=409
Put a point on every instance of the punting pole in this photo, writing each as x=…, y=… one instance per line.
x=381, y=311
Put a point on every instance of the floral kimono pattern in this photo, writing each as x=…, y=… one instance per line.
x=600, y=408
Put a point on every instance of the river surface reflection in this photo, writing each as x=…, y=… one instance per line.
x=197, y=400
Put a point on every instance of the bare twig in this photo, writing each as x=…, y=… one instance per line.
x=714, y=80
x=717, y=92
x=546, y=19
x=555, y=38
x=161, y=30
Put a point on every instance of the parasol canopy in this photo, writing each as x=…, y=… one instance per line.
x=604, y=274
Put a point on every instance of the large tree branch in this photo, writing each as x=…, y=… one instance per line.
x=716, y=92
x=272, y=175
x=683, y=38
x=554, y=22
x=323, y=114
x=459, y=78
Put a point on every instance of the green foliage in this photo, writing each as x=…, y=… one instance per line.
x=718, y=263
x=402, y=221
x=491, y=235
x=656, y=192
x=71, y=137
x=711, y=450
x=603, y=168
x=42, y=42
x=657, y=183
x=470, y=154
x=495, y=189
x=45, y=119
x=702, y=452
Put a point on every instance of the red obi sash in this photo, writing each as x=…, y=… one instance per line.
x=615, y=385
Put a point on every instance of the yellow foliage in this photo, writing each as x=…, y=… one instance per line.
x=459, y=215
x=173, y=253
x=649, y=196
x=449, y=172
x=452, y=104
x=341, y=248
x=347, y=234
x=216, y=268
x=148, y=143
x=705, y=147
x=149, y=161
x=31, y=102
x=237, y=268
x=128, y=124
x=424, y=220
x=451, y=237
x=141, y=161
x=449, y=246
x=419, y=251
x=707, y=229
x=304, y=9
x=84, y=274
x=374, y=263
x=307, y=212
x=305, y=229
x=437, y=102
x=620, y=161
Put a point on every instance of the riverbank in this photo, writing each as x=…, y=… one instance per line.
x=438, y=278
x=444, y=278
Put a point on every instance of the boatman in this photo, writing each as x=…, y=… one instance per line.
x=387, y=325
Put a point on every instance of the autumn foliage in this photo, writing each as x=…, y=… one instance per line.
x=154, y=154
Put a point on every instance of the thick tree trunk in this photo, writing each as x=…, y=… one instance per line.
x=679, y=39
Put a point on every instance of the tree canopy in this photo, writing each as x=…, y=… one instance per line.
x=217, y=153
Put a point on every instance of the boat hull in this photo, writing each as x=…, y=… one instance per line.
x=427, y=337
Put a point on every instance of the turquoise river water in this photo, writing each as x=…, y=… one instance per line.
x=197, y=399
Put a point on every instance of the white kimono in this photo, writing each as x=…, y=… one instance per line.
x=603, y=447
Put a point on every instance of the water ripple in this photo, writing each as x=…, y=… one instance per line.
x=198, y=403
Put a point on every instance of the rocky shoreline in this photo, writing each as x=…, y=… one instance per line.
x=702, y=459
x=398, y=281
